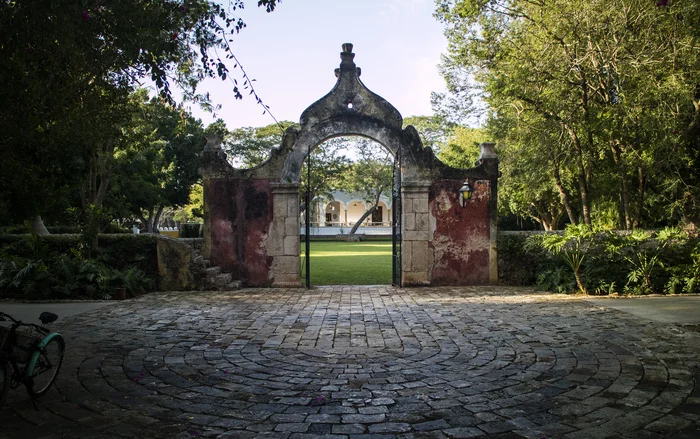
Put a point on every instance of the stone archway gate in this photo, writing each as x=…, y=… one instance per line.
x=251, y=216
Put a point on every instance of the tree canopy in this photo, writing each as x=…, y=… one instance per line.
x=68, y=69
x=159, y=163
x=595, y=104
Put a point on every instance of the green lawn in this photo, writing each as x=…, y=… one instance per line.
x=349, y=263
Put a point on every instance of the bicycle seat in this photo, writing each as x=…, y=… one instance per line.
x=47, y=317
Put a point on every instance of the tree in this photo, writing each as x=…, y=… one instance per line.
x=66, y=88
x=194, y=209
x=615, y=81
x=461, y=149
x=434, y=131
x=369, y=176
x=329, y=167
x=161, y=162
x=454, y=144
x=250, y=146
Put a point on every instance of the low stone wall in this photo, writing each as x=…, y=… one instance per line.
x=517, y=266
x=180, y=267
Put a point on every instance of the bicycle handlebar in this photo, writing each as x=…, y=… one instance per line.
x=2, y=315
x=17, y=323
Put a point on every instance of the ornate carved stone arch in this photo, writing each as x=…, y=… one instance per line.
x=253, y=231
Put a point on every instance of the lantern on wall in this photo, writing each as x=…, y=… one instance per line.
x=465, y=192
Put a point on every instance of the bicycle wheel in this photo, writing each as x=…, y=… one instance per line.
x=47, y=366
x=5, y=378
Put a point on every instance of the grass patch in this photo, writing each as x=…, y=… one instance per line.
x=350, y=263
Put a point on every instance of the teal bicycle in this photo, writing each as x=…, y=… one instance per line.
x=29, y=354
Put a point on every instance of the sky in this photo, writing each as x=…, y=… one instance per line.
x=292, y=53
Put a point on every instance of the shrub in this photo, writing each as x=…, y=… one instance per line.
x=190, y=230
x=571, y=247
x=50, y=267
x=606, y=262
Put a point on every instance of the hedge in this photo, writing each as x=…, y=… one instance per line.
x=625, y=262
x=117, y=250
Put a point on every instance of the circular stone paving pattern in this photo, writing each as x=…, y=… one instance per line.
x=366, y=362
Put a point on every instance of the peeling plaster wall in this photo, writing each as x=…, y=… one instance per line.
x=239, y=213
x=460, y=235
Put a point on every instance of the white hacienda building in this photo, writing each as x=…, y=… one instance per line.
x=338, y=216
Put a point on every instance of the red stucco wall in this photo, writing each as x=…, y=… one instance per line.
x=240, y=213
x=460, y=234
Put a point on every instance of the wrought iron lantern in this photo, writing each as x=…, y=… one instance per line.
x=465, y=192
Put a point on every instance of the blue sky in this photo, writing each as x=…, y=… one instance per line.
x=293, y=51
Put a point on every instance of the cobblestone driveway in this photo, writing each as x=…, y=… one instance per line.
x=366, y=362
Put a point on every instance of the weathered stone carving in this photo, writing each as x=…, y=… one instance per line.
x=350, y=98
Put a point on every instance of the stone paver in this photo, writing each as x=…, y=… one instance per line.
x=366, y=362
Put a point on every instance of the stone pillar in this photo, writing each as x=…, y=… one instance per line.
x=283, y=240
x=416, y=253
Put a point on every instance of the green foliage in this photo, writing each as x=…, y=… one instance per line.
x=512, y=252
x=124, y=251
x=462, y=147
x=572, y=247
x=594, y=104
x=159, y=163
x=454, y=145
x=91, y=221
x=607, y=262
x=329, y=166
x=557, y=278
x=190, y=230
x=369, y=176
x=683, y=271
x=66, y=88
x=34, y=267
x=88, y=278
x=250, y=146
x=434, y=132
x=194, y=209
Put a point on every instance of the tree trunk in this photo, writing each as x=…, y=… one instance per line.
x=543, y=217
x=556, y=215
x=582, y=180
x=156, y=220
x=624, y=186
x=564, y=195
x=584, y=174
x=640, y=198
x=362, y=218
x=148, y=221
x=38, y=226
x=579, y=282
x=547, y=224
x=99, y=176
x=369, y=212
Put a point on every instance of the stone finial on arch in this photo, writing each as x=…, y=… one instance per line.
x=349, y=109
x=350, y=98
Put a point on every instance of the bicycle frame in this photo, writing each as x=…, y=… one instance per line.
x=20, y=375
